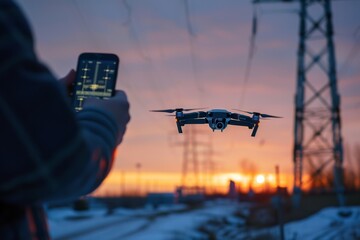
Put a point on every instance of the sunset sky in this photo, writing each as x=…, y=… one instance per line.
x=169, y=60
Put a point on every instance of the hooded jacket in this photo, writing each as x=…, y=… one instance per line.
x=47, y=151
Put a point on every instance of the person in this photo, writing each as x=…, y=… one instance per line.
x=47, y=151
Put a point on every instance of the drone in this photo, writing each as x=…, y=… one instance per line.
x=218, y=119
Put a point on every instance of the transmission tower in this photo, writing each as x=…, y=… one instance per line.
x=317, y=137
x=190, y=162
x=208, y=168
x=190, y=157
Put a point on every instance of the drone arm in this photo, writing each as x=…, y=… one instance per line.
x=240, y=123
x=241, y=117
x=193, y=121
x=194, y=115
x=182, y=122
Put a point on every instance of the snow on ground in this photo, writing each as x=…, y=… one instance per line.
x=326, y=224
x=167, y=222
x=183, y=226
x=176, y=222
x=66, y=222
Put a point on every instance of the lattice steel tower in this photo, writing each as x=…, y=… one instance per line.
x=317, y=101
x=190, y=149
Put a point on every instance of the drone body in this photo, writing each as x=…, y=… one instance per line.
x=218, y=119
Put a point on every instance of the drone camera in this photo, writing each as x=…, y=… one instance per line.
x=219, y=125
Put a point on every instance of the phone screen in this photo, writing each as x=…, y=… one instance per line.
x=96, y=77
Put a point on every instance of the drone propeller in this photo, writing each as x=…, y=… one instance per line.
x=176, y=110
x=263, y=115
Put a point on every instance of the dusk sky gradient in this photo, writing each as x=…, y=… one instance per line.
x=169, y=62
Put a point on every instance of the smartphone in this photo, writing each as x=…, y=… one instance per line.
x=96, y=75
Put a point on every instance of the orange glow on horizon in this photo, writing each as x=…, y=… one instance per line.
x=260, y=179
x=135, y=183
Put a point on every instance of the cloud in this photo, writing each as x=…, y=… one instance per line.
x=162, y=66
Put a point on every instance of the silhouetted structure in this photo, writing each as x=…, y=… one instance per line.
x=317, y=101
x=190, y=157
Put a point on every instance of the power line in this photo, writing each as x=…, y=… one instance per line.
x=257, y=13
x=354, y=51
x=192, y=36
x=132, y=32
x=252, y=49
x=188, y=22
x=129, y=11
x=129, y=24
x=85, y=23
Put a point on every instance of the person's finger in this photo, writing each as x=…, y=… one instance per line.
x=68, y=81
x=120, y=95
x=70, y=77
x=117, y=106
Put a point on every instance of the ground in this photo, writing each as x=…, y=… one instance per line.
x=214, y=220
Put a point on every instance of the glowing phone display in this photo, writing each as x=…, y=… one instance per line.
x=95, y=77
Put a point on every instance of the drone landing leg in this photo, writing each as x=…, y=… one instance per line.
x=179, y=127
x=255, y=130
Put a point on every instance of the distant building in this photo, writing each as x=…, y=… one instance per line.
x=156, y=199
x=232, y=190
x=190, y=195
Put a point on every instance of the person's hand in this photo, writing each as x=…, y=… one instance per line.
x=118, y=106
x=68, y=81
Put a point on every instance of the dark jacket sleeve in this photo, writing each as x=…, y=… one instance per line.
x=46, y=151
